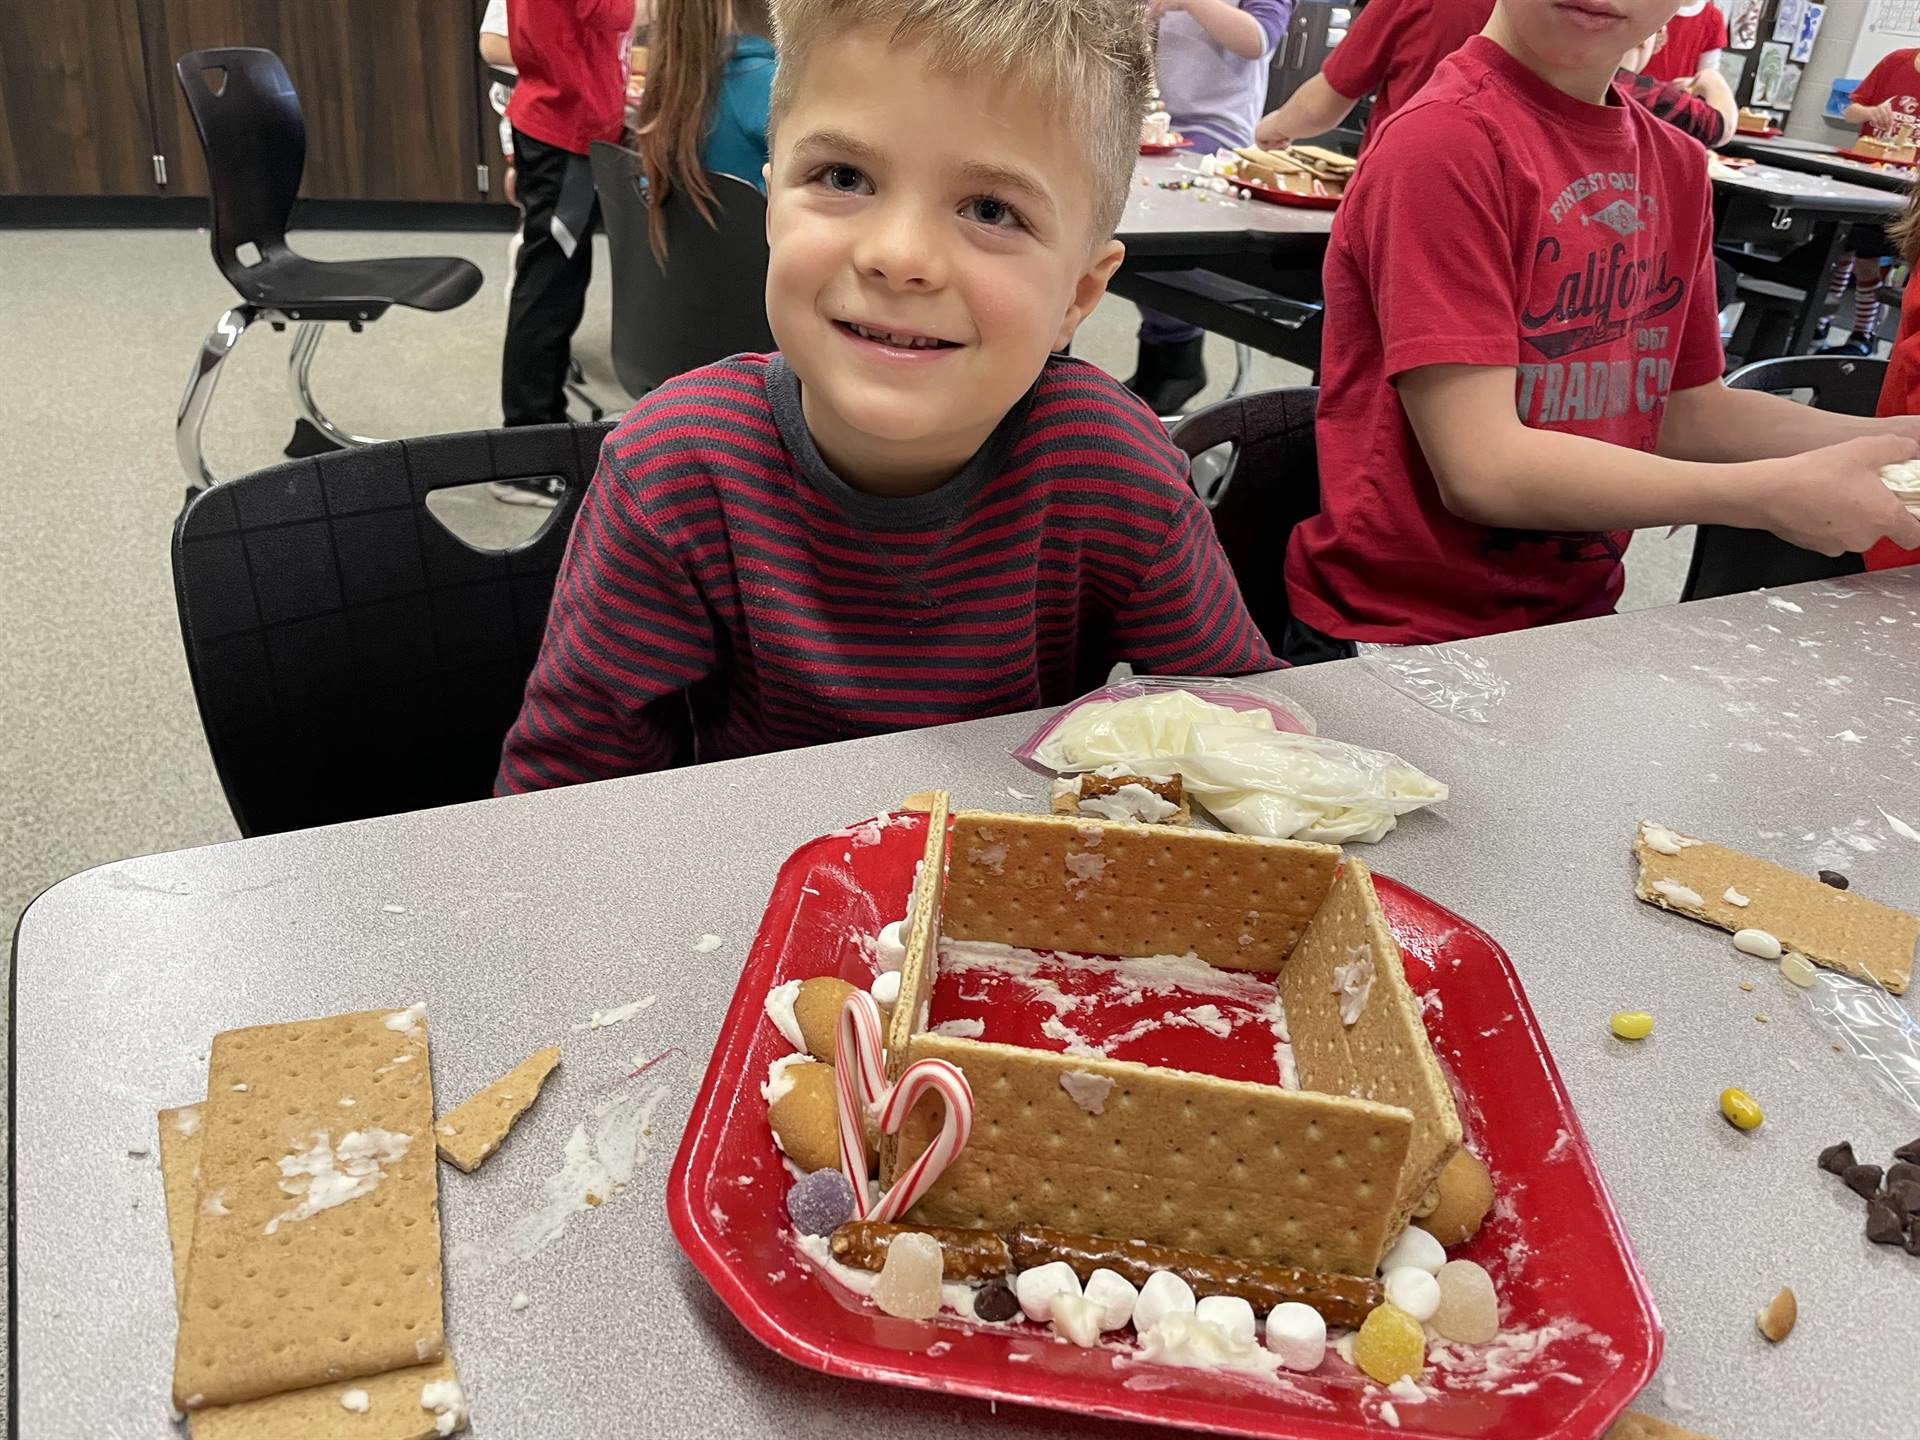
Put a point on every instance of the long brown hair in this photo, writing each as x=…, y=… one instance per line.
x=1905, y=232
x=688, y=43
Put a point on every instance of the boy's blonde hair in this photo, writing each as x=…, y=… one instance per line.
x=1093, y=59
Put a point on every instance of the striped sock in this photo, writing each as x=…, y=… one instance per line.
x=1866, y=309
x=1842, y=277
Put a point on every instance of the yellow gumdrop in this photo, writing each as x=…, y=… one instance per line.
x=1632, y=1024
x=1390, y=1345
x=1740, y=1109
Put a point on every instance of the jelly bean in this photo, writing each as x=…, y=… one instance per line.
x=1632, y=1024
x=1739, y=1108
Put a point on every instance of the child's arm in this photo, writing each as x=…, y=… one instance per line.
x=1315, y=108
x=627, y=633
x=1229, y=26
x=1712, y=422
x=1186, y=616
x=1711, y=86
x=1494, y=470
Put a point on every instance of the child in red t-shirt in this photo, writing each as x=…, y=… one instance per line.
x=1695, y=37
x=1522, y=358
x=1885, y=105
x=1900, y=392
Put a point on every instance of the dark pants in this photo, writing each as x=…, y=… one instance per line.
x=1301, y=644
x=549, y=292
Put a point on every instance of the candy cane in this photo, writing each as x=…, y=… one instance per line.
x=955, y=1129
x=860, y=1081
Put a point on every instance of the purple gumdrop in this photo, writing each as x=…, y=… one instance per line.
x=821, y=1203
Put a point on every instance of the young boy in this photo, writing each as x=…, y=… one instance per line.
x=1522, y=358
x=913, y=513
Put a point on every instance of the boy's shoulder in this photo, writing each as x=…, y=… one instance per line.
x=703, y=404
x=1082, y=419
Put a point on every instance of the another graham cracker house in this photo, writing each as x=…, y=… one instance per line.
x=1324, y=1177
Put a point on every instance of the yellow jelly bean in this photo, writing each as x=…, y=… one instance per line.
x=1632, y=1024
x=1740, y=1109
x=1390, y=1345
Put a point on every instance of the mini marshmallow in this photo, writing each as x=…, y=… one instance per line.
x=1115, y=1296
x=886, y=988
x=1757, y=942
x=1165, y=1293
x=1297, y=1334
x=1414, y=1291
x=1035, y=1289
x=1233, y=1316
x=891, y=943
x=1076, y=1318
x=1416, y=1248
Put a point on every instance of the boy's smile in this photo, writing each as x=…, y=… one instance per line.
x=931, y=242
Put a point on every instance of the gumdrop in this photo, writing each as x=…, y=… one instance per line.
x=1469, y=1310
x=909, y=1283
x=821, y=1203
x=1390, y=1345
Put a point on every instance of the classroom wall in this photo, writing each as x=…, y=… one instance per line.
x=1832, y=53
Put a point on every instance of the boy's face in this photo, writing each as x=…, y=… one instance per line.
x=1576, y=35
x=931, y=241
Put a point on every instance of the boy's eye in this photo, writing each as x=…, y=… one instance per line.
x=843, y=178
x=986, y=210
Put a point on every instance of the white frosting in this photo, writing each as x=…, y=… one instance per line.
x=1660, y=838
x=1679, y=894
x=779, y=1006
x=890, y=946
x=1353, y=982
x=1130, y=802
x=1902, y=478
x=885, y=989
x=355, y=1400
x=780, y=1077
x=1076, y=1318
x=961, y=1029
x=1190, y=1342
x=324, y=1175
x=1734, y=897
x=1088, y=1091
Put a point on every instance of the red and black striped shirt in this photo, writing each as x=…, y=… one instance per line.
x=724, y=593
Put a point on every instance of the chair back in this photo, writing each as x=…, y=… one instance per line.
x=1271, y=483
x=255, y=143
x=350, y=655
x=708, y=301
x=1731, y=561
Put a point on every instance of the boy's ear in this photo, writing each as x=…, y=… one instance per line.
x=766, y=188
x=1089, y=289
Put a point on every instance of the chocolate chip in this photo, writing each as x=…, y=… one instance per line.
x=1913, y=1241
x=995, y=1302
x=1904, y=1195
x=1863, y=1180
x=1885, y=1225
x=1909, y=1151
x=1833, y=878
x=1836, y=1159
x=1903, y=1170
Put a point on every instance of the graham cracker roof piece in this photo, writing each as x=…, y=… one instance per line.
x=473, y=1129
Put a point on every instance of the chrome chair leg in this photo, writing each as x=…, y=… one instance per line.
x=1242, y=370
x=201, y=383
x=300, y=380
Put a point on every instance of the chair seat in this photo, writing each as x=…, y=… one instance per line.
x=356, y=289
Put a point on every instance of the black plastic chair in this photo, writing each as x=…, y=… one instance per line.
x=708, y=302
x=255, y=143
x=1731, y=561
x=1271, y=483
x=350, y=655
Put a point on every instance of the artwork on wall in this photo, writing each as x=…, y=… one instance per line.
x=1768, y=74
x=1733, y=69
x=1810, y=19
x=1787, y=87
x=1743, y=24
x=1786, y=20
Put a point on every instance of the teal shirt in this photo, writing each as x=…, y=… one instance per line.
x=736, y=142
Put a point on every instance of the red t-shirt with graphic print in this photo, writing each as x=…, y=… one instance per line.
x=1688, y=38
x=1497, y=221
x=1893, y=80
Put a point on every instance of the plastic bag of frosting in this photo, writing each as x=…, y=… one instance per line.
x=1251, y=774
x=1151, y=714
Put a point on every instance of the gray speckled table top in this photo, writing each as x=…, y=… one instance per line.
x=1783, y=724
x=1798, y=190
x=1154, y=211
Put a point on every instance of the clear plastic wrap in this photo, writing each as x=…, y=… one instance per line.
x=1875, y=1028
x=1252, y=775
x=1445, y=678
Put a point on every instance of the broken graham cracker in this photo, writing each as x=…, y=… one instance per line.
x=924, y=906
x=325, y=1264
x=1096, y=887
x=473, y=1129
x=1069, y=791
x=1228, y=1167
x=393, y=1400
x=1384, y=1054
x=1638, y=1425
x=1837, y=928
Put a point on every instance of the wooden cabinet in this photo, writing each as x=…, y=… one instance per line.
x=387, y=88
x=391, y=91
x=75, y=117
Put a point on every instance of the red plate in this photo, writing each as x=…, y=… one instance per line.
x=1167, y=149
x=1288, y=197
x=1553, y=1244
x=1765, y=132
x=1874, y=160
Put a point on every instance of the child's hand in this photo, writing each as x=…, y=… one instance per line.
x=1832, y=500
x=1157, y=8
x=1881, y=116
x=1269, y=136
